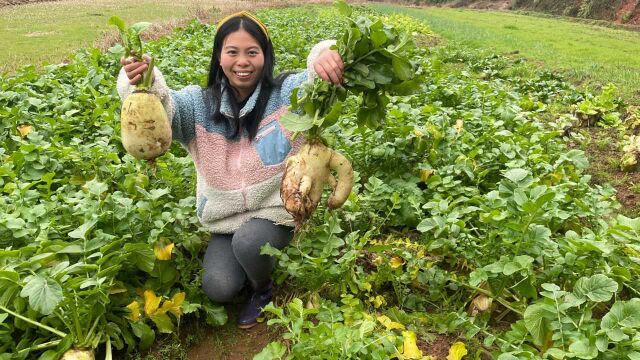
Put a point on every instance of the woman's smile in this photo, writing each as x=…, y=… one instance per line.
x=242, y=61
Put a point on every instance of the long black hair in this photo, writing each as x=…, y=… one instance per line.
x=217, y=87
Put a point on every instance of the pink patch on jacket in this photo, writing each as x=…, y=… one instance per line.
x=234, y=165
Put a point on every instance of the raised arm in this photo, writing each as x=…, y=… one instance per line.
x=322, y=62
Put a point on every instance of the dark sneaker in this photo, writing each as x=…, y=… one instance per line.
x=252, y=308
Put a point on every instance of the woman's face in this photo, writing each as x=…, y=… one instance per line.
x=242, y=61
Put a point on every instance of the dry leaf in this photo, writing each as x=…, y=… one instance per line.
x=480, y=304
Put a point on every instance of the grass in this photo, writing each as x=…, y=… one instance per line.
x=48, y=32
x=590, y=55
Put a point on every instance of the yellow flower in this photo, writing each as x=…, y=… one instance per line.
x=24, y=130
x=389, y=324
x=457, y=351
x=410, y=348
x=134, y=307
x=151, y=302
x=163, y=252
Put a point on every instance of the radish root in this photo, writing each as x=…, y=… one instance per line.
x=306, y=175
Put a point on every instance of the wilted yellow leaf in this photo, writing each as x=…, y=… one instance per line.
x=459, y=125
x=396, y=262
x=480, y=303
x=410, y=348
x=377, y=260
x=379, y=301
x=388, y=323
x=457, y=351
x=424, y=174
x=24, y=130
x=134, y=307
x=313, y=302
x=174, y=305
x=417, y=132
x=163, y=252
x=151, y=302
x=116, y=290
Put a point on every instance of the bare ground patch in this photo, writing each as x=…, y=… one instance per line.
x=603, y=150
x=39, y=33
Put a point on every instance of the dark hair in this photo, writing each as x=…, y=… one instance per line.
x=250, y=121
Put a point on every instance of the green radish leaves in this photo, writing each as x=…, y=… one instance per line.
x=133, y=45
x=44, y=293
x=376, y=60
x=130, y=36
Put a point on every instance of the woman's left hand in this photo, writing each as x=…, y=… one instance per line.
x=329, y=66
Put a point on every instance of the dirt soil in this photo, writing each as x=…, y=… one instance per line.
x=628, y=7
x=490, y=5
x=438, y=348
x=603, y=152
x=231, y=343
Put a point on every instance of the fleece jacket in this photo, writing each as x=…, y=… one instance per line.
x=237, y=180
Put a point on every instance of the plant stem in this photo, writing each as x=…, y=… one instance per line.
x=148, y=75
x=33, y=322
x=504, y=303
x=108, y=355
x=41, y=346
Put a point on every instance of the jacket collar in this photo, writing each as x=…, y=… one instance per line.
x=225, y=105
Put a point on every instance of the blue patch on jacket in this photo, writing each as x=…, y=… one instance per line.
x=201, y=204
x=271, y=144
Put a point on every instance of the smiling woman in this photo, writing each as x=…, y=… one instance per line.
x=233, y=132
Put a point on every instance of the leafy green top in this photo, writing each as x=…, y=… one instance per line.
x=376, y=59
x=133, y=44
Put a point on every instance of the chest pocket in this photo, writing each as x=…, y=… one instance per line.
x=271, y=144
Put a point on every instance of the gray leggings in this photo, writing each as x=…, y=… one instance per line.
x=231, y=259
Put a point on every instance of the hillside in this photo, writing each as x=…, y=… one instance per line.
x=619, y=11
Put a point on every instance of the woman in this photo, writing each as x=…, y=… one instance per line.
x=232, y=131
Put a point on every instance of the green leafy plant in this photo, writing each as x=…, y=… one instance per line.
x=133, y=45
x=601, y=109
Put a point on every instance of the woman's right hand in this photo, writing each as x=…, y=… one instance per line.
x=135, y=68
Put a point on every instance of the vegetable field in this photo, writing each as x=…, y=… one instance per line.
x=472, y=220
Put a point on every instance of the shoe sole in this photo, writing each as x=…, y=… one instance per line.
x=247, y=326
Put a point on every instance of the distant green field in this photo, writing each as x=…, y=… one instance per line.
x=588, y=54
x=50, y=31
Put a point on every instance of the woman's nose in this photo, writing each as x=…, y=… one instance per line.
x=242, y=60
